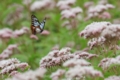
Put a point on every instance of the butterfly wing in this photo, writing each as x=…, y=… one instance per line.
x=42, y=24
x=34, y=24
x=35, y=21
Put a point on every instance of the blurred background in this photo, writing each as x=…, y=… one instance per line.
x=65, y=19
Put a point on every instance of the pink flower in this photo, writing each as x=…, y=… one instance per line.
x=77, y=10
x=105, y=15
x=71, y=13
x=88, y=4
x=45, y=32
x=114, y=77
x=67, y=14
x=58, y=74
x=12, y=46
x=110, y=6
x=34, y=37
x=75, y=62
x=30, y=75
x=8, y=51
x=65, y=4
x=37, y=5
x=7, y=66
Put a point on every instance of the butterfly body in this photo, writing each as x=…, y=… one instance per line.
x=36, y=26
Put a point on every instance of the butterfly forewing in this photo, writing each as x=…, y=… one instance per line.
x=35, y=21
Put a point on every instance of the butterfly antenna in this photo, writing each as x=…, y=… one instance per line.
x=44, y=20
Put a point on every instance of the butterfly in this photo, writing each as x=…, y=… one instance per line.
x=36, y=26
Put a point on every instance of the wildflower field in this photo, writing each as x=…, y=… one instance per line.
x=60, y=40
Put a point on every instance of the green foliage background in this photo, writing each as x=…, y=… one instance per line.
x=31, y=51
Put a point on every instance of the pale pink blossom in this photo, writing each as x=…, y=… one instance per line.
x=84, y=55
x=22, y=66
x=64, y=51
x=105, y=15
x=74, y=62
x=67, y=14
x=71, y=13
x=99, y=9
x=7, y=66
x=70, y=2
x=8, y=51
x=88, y=4
x=12, y=46
x=53, y=53
x=107, y=62
x=30, y=75
x=77, y=10
x=82, y=72
x=92, y=72
x=56, y=57
x=102, y=33
x=5, y=63
x=45, y=32
x=65, y=4
x=38, y=5
x=5, y=33
x=13, y=73
x=110, y=6
x=114, y=77
x=23, y=30
x=34, y=37
x=58, y=74
x=64, y=7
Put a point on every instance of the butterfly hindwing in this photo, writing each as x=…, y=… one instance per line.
x=42, y=24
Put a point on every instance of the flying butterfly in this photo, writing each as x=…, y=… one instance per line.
x=36, y=26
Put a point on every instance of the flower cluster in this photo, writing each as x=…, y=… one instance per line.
x=11, y=65
x=57, y=57
x=79, y=72
x=108, y=62
x=78, y=69
x=102, y=33
x=37, y=74
x=100, y=10
x=65, y=4
x=84, y=55
x=6, y=33
x=113, y=78
x=8, y=51
x=71, y=13
x=42, y=4
x=58, y=74
x=73, y=62
x=68, y=13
